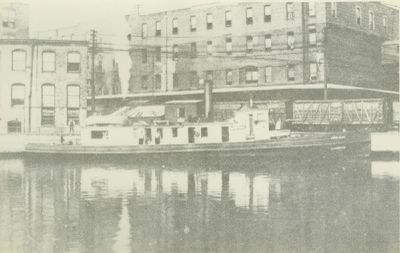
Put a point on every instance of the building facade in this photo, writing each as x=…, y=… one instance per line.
x=14, y=20
x=260, y=45
x=43, y=85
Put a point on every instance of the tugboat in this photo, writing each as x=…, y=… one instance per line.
x=248, y=131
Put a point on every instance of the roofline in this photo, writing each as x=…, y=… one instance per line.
x=316, y=86
x=43, y=42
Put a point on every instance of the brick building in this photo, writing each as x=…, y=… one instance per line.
x=14, y=20
x=261, y=45
x=42, y=85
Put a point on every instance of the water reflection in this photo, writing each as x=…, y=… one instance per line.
x=314, y=205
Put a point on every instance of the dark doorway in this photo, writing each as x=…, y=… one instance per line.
x=225, y=134
x=148, y=135
x=191, y=134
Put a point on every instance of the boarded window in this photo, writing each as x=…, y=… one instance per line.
x=19, y=60
x=74, y=62
x=48, y=61
x=17, y=94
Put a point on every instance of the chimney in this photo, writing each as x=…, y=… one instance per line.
x=208, y=103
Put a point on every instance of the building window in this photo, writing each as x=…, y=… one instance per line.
x=175, y=52
x=8, y=18
x=358, y=15
x=144, y=80
x=228, y=45
x=249, y=16
x=268, y=74
x=180, y=112
x=209, y=75
x=313, y=71
x=229, y=77
x=48, y=105
x=311, y=9
x=158, y=28
x=19, y=60
x=157, y=78
x=175, y=26
x=193, y=78
x=158, y=54
x=312, y=35
x=384, y=24
x=249, y=44
x=290, y=40
x=252, y=75
x=371, y=20
x=291, y=73
x=175, y=80
x=267, y=13
x=204, y=132
x=73, y=104
x=17, y=94
x=289, y=11
x=333, y=9
x=14, y=126
x=144, y=30
x=174, y=132
x=74, y=62
x=228, y=18
x=209, y=18
x=48, y=61
x=193, y=23
x=268, y=42
x=193, y=50
x=144, y=55
x=209, y=47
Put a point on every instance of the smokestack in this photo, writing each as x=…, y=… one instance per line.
x=208, y=103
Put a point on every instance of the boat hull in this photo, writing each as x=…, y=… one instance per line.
x=304, y=140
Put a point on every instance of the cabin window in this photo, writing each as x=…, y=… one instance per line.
x=180, y=112
x=14, y=126
x=99, y=135
x=174, y=132
x=204, y=132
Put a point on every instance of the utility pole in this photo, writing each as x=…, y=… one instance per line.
x=325, y=66
x=93, y=36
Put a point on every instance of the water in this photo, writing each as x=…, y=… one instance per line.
x=305, y=203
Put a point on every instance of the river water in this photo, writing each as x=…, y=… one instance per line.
x=320, y=202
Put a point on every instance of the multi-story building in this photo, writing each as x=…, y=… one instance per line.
x=14, y=20
x=42, y=85
x=111, y=66
x=255, y=47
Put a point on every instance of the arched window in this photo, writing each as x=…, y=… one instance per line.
x=17, y=94
x=48, y=105
x=73, y=103
x=48, y=61
x=19, y=60
x=74, y=62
